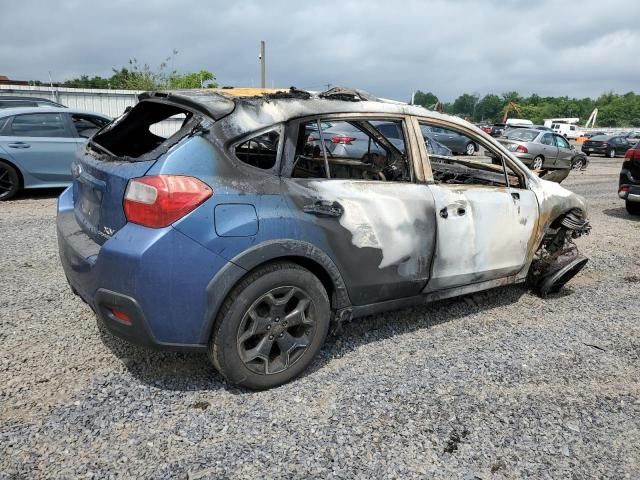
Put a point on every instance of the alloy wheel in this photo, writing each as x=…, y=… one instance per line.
x=7, y=184
x=612, y=153
x=276, y=330
x=537, y=163
x=471, y=149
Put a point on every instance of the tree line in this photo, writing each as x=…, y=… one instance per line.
x=139, y=76
x=614, y=110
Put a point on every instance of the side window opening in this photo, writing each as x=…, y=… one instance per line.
x=260, y=151
x=485, y=167
x=87, y=125
x=131, y=135
x=358, y=149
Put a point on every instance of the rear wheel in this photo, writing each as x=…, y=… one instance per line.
x=537, y=163
x=271, y=326
x=9, y=181
x=633, y=208
x=470, y=149
x=611, y=153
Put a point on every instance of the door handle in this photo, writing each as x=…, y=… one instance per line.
x=515, y=195
x=324, y=208
x=18, y=145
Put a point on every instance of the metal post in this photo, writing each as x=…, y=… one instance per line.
x=263, y=79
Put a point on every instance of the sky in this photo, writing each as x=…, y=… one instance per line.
x=389, y=48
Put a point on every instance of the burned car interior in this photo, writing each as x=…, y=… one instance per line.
x=131, y=135
x=354, y=149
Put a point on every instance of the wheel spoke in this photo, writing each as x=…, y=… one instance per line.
x=287, y=344
x=258, y=326
x=298, y=315
x=261, y=351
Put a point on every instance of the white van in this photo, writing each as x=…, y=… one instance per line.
x=568, y=130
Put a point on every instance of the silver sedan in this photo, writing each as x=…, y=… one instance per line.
x=539, y=149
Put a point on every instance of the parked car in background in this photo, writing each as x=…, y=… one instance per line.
x=10, y=101
x=632, y=137
x=607, y=145
x=538, y=149
x=629, y=183
x=593, y=134
x=433, y=146
x=454, y=141
x=247, y=250
x=510, y=128
x=37, y=145
x=497, y=129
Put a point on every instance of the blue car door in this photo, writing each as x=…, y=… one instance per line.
x=42, y=145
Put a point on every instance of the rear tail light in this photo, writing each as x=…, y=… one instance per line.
x=522, y=149
x=342, y=140
x=158, y=201
x=623, y=190
x=632, y=154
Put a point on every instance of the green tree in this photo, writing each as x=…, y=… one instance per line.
x=141, y=76
x=465, y=104
x=192, y=80
x=489, y=108
x=427, y=100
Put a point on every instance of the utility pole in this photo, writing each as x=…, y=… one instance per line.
x=263, y=78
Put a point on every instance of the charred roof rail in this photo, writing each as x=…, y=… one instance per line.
x=293, y=92
x=347, y=94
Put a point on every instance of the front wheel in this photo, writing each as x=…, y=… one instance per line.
x=470, y=149
x=537, y=163
x=633, y=208
x=611, y=153
x=270, y=327
x=578, y=164
x=9, y=181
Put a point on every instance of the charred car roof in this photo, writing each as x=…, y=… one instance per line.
x=249, y=109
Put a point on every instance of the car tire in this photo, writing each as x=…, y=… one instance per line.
x=537, y=162
x=611, y=153
x=470, y=149
x=9, y=181
x=252, y=332
x=633, y=208
x=577, y=163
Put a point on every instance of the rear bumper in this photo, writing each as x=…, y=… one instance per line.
x=598, y=150
x=157, y=277
x=631, y=195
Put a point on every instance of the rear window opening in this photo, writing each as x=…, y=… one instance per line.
x=143, y=129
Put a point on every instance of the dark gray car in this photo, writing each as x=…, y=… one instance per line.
x=456, y=142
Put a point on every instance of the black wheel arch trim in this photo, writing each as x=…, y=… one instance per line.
x=297, y=251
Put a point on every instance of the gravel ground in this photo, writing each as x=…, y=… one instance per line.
x=501, y=384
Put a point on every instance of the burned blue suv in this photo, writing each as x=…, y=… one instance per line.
x=244, y=235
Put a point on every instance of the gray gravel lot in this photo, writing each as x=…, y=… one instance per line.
x=501, y=384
